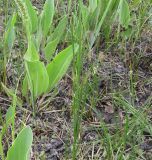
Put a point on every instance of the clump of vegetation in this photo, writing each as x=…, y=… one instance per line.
x=83, y=75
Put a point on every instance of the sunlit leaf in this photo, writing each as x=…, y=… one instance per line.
x=60, y=29
x=25, y=86
x=124, y=13
x=21, y=146
x=31, y=53
x=32, y=15
x=10, y=114
x=50, y=49
x=55, y=38
x=38, y=78
x=10, y=32
x=47, y=16
x=58, y=67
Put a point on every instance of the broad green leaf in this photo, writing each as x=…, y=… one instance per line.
x=47, y=16
x=124, y=13
x=38, y=78
x=60, y=29
x=55, y=38
x=25, y=86
x=21, y=147
x=10, y=38
x=9, y=118
x=39, y=34
x=58, y=67
x=50, y=49
x=10, y=32
x=11, y=21
x=10, y=114
x=31, y=53
x=32, y=14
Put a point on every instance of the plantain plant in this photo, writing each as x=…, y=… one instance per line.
x=101, y=14
x=42, y=76
x=21, y=146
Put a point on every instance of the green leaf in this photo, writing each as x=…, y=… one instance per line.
x=93, y=5
x=39, y=34
x=47, y=16
x=50, y=49
x=60, y=29
x=55, y=38
x=38, y=78
x=9, y=115
x=32, y=14
x=31, y=53
x=10, y=32
x=10, y=38
x=124, y=13
x=25, y=86
x=101, y=22
x=58, y=67
x=9, y=118
x=20, y=148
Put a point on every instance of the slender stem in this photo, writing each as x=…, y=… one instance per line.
x=33, y=105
